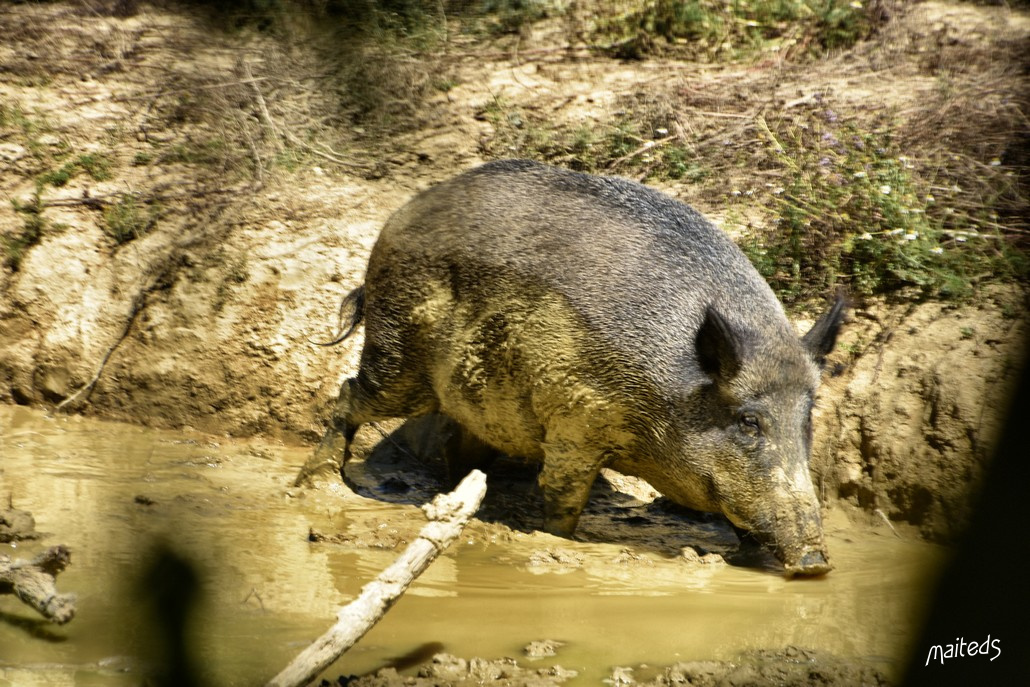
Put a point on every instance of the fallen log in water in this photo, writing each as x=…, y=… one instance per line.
x=34, y=583
x=448, y=514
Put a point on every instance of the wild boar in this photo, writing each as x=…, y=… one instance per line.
x=585, y=321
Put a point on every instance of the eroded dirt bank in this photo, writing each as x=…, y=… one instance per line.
x=202, y=315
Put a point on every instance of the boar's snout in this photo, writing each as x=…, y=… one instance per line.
x=811, y=564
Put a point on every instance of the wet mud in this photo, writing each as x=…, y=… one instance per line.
x=640, y=590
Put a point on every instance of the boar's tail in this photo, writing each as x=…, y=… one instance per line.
x=354, y=303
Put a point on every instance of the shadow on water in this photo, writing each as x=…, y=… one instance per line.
x=37, y=628
x=406, y=466
x=169, y=588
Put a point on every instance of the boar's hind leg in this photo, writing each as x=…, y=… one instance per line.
x=334, y=450
x=355, y=406
x=465, y=453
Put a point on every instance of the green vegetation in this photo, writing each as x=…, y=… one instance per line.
x=128, y=219
x=96, y=166
x=636, y=144
x=34, y=225
x=14, y=116
x=713, y=29
x=853, y=210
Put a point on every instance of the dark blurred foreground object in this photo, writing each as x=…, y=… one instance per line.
x=975, y=631
x=170, y=589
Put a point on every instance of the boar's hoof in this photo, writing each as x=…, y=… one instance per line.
x=812, y=564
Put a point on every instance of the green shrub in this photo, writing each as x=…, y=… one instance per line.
x=34, y=225
x=852, y=210
x=716, y=28
x=96, y=166
x=630, y=145
x=128, y=219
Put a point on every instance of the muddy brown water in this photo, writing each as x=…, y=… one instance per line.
x=108, y=491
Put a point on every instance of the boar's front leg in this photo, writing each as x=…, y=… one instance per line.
x=566, y=478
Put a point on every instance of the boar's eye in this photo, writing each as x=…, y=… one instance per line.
x=749, y=423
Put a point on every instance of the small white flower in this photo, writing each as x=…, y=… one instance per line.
x=866, y=236
x=930, y=198
x=778, y=190
x=912, y=236
x=648, y=144
x=995, y=162
x=859, y=175
x=885, y=189
x=960, y=239
x=662, y=131
x=895, y=232
x=936, y=250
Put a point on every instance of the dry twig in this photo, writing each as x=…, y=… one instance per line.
x=448, y=514
x=34, y=583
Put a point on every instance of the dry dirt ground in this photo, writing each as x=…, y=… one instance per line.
x=206, y=319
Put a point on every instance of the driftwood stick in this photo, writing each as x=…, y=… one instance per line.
x=33, y=582
x=448, y=514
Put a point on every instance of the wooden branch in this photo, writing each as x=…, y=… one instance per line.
x=262, y=107
x=285, y=132
x=87, y=389
x=448, y=514
x=34, y=583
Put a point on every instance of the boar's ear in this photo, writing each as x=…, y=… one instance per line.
x=820, y=338
x=719, y=349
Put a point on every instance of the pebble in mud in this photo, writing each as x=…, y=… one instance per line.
x=701, y=557
x=554, y=560
x=17, y=525
x=445, y=669
x=788, y=667
x=543, y=648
